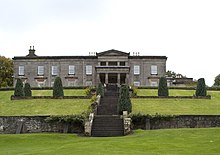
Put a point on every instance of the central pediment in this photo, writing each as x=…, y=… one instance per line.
x=113, y=52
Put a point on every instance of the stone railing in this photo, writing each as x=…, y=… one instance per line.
x=88, y=123
x=127, y=123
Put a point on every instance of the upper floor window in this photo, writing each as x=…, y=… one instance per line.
x=112, y=63
x=122, y=63
x=71, y=69
x=154, y=70
x=21, y=70
x=54, y=70
x=136, y=69
x=88, y=69
x=103, y=63
x=40, y=70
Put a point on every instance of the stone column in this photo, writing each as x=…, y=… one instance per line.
x=119, y=79
x=106, y=78
x=97, y=79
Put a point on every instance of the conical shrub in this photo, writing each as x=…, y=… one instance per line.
x=19, y=91
x=27, y=90
x=162, y=88
x=124, y=101
x=201, y=88
x=58, y=88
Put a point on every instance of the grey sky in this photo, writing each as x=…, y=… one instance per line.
x=186, y=31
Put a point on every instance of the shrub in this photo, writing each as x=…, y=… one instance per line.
x=201, y=88
x=134, y=91
x=162, y=88
x=19, y=91
x=58, y=88
x=100, y=90
x=27, y=90
x=124, y=102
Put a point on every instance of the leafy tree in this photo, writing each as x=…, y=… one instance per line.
x=162, y=88
x=27, y=90
x=58, y=88
x=217, y=80
x=201, y=88
x=6, y=72
x=100, y=90
x=124, y=102
x=19, y=91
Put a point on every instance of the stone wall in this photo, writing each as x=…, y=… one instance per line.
x=35, y=124
x=182, y=121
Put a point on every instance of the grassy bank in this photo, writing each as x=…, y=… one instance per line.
x=156, y=142
x=44, y=106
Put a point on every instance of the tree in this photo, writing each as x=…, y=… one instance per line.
x=217, y=80
x=124, y=102
x=100, y=90
x=162, y=88
x=27, y=90
x=58, y=88
x=201, y=88
x=19, y=91
x=6, y=72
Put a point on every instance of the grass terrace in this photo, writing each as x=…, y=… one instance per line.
x=43, y=106
x=176, y=106
x=153, y=142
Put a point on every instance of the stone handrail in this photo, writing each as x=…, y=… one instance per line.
x=127, y=123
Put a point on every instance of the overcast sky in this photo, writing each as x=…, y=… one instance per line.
x=186, y=31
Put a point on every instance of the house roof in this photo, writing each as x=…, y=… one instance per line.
x=112, y=52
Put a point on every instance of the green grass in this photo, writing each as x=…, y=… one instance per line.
x=172, y=92
x=67, y=92
x=152, y=142
x=177, y=106
x=42, y=106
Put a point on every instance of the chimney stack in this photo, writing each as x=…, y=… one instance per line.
x=31, y=52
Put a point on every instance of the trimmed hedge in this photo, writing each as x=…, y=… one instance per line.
x=124, y=101
x=19, y=91
x=58, y=88
x=201, y=88
x=162, y=88
x=27, y=90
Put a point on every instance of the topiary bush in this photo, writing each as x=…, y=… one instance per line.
x=201, y=88
x=100, y=90
x=27, y=90
x=58, y=88
x=162, y=88
x=124, y=101
x=19, y=91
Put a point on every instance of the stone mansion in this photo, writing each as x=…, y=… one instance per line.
x=109, y=67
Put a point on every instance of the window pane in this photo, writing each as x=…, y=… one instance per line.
x=122, y=63
x=54, y=70
x=71, y=69
x=136, y=70
x=88, y=70
x=21, y=70
x=103, y=63
x=153, y=69
x=40, y=70
x=112, y=63
x=136, y=83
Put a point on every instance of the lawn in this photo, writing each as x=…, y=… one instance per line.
x=176, y=106
x=43, y=106
x=152, y=142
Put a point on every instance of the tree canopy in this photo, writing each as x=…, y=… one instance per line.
x=6, y=72
x=217, y=80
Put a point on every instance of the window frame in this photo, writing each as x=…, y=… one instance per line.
x=40, y=70
x=21, y=70
x=54, y=70
x=71, y=70
x=154, y=70
x=88, y=69
x=136, y=69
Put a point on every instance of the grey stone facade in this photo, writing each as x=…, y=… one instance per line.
x=108, y=67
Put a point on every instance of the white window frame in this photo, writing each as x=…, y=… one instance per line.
x=21, y=70
x=71, y=69
x=154, y=83
x=136, y=69
x=137, y=83
x=40, y=70
x=54, y=70
x=154, y=70
x=88, y=83
x=88, y=69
